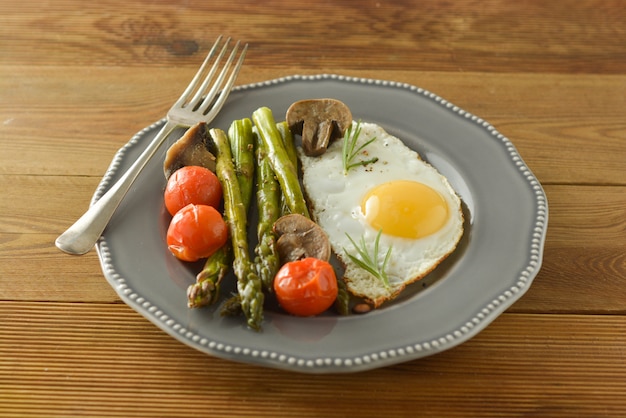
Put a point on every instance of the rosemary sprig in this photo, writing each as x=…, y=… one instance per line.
x=350, y=151
x=369, y=262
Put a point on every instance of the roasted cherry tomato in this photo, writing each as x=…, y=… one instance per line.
x=195, y=232
x=192, y=184
x=306, y=287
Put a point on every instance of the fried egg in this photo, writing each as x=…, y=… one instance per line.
x=399, y=200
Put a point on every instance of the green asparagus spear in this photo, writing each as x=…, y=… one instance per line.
x=268, y=203
x=206, y=290
x=290, y=147
x=277, y=155
x=248, y=283
x=342, y=303
x=242, y=150
x=288, y=142
x=231, y=306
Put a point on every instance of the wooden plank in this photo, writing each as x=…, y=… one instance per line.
x=33, y=269
x=493, y=36
x=80, y=126
x=74, y=359
x=21, y=206
x=585, y=256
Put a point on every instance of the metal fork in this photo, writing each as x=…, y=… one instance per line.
x=186, y=112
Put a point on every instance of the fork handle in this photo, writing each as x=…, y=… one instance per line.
x=84, y=233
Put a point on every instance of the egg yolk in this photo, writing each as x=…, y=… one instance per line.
x=405, y=209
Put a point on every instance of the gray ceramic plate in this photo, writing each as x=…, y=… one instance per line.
x=500, y=253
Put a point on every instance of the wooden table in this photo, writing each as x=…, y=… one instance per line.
x=78, y=79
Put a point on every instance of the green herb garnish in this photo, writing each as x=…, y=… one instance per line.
x=350, y=151
x=369, y=262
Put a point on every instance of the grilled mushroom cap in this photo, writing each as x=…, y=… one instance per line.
x=319, y=121
x=299, y=237
x=191, y=149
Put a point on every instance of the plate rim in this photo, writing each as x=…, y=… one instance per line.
x=485, y=314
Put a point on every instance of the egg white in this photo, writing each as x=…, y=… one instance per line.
x=335, y=200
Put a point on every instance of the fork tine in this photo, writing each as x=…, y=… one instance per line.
x=196, y=78
x=210, y=96
x=217, y=106
x=197, y=98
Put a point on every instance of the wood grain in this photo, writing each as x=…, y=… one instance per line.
x=535, y=112
x=78, y=358
x=485, y=36
x=78, y=79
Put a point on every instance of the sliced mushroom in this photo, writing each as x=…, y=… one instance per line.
x=299, y=237
x=191, y=149
x=319, y=121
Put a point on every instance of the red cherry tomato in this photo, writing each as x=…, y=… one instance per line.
x=195, y=232
x=306, y=287
x=192, y=184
